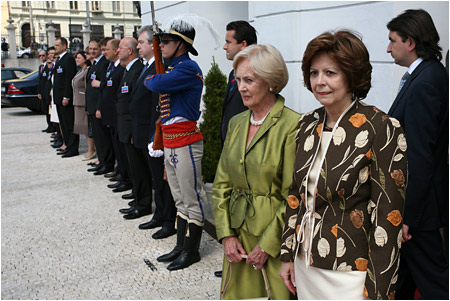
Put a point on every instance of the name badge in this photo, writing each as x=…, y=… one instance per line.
x=108, y=73
x=44, y=74
x=109, y=84
x=125, y=89
x=93, y=76
x=59, y=70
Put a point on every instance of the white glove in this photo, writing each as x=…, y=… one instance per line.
x=154, y=153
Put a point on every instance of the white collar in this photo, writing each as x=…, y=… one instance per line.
x=98, y=59
x=131, y=64
x=151, y=61
x=117, y=63
x=64, y=53
x=414, y=65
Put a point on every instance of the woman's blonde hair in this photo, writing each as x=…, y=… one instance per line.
x=267, y=63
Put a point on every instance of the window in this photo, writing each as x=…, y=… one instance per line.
x=96, y=5
x=50, y=4
x=97, y=32
x=116, y=6
x=73, y=5
x=25, y=3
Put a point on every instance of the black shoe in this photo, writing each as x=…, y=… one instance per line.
x=190, y=254
x=128, y=196
x=45, y=130
x=184, y=260
x=115, y=185
x=218, y=274
x=56, y=145
x=137, y=214
x=122, y=188
x=164, y=232
x=132, y=203
x=115, y=179
x=126, y=210
x=70, y=154
x=151, y=224
x=111, y=174
x=50, y=130
x=92, y=164
x=181, y=233
x=102, y=171
x=62, y=152
x=95, y=168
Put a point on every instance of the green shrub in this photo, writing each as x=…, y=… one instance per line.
x=216, y=85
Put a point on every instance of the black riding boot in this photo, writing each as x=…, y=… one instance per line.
x=190, y=254
x=181, y=233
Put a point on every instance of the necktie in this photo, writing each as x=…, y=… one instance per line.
x=403, y=81
x=57, y=60
x=143, y=70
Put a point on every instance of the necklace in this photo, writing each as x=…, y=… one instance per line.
x=257, y=123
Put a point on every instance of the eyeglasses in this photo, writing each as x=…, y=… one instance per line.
x=41, y=54
x=166, y=41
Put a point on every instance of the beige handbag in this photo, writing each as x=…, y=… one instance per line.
x=227, y=280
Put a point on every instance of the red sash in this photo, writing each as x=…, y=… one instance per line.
x=181, y=134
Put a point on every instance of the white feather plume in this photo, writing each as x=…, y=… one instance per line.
x=187, y=22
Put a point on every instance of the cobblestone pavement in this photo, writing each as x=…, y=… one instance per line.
x=62, y=236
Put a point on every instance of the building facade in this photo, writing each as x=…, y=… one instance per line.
x=69, y=19
x=290, y=25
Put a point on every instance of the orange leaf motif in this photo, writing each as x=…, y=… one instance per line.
x=302, y=196
x=361, y=264
x=369, y=154
x=365, y=293
x=395, y=217
x=358, y=120
x=334, y=230
x=298, y=229
x=319, y=129
x=293, y=201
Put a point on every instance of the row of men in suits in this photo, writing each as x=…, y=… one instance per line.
x=123, y=114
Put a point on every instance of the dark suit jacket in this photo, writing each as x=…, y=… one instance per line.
x=108, y=96
x=92, y=94
x=123, y=101
x=422, y=109
x=42, y=78
x=144, y=111
x=232, y=104
x=48, y=86
x=62, y=79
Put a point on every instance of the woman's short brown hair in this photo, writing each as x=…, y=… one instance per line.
x=347, y=49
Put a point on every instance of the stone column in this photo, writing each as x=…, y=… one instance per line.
x=11, y=39
x=86, y=35
x=51, y=31
x=117, y=33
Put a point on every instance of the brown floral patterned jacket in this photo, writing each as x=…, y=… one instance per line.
x=359, y=196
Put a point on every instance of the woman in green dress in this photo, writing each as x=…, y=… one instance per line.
x=254, y=174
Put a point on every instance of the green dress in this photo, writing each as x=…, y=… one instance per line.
x=249, y=196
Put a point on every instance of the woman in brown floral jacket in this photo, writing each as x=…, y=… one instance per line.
x=343, y=220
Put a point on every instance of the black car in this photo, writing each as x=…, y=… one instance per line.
x=13, y=73
x=22, y=92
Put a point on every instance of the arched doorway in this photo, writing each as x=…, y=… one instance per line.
x=26, y=35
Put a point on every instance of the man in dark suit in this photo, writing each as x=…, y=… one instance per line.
x=128, y=55
x=144, y=110
x=239, y=35
x=63, y=73
x=42, y=81
x=102, y=140
x=421, y=107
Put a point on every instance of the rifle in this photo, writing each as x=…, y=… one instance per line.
x=158, y=139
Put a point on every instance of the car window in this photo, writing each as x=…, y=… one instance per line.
x=29, y=74
x=21, y=73
x=7, y=74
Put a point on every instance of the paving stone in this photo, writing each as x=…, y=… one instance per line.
x=62, y=235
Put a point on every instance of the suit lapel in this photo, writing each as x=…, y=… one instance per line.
x=406, y=86
x=271, y=119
